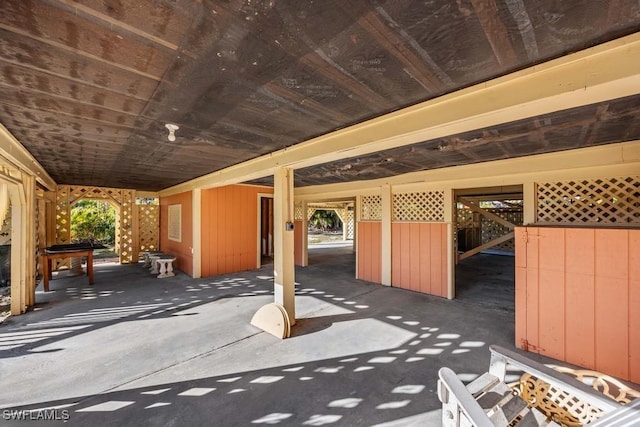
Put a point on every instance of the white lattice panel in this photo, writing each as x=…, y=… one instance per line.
x=298, y=213
x=124, y=201
x=590, y=201
x=63, y=216
x=427, y=206
x=149, y=227
x=349, y=223
x=310, y=212
x=371, y=208
x=126, y=227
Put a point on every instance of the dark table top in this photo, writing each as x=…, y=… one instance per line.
x=74, y=247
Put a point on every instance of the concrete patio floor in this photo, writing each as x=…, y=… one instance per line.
x=136, y=350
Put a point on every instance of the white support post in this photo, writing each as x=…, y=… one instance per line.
x=387, y=214
x=449, y=212
x=305, y=235
x=30, y=248
x=356, y=218
x=196, y=249
x=529, y=203
x=284, y=262
x=18, y=246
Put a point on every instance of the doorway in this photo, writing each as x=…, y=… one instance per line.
x=485, y=245
x=331, y=235
x=265, y=240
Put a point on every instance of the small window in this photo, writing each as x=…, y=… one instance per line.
x=175, y=223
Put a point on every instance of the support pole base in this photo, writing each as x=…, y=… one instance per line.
x=273, y=318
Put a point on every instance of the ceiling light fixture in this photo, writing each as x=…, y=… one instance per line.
x=172, y=131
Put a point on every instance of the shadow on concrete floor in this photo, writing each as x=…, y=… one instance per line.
x=136, y=350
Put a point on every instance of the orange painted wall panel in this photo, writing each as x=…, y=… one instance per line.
x=612, y=326
x=182, y=250
x=370, y=251
x=551, y=317
x=230, y=229
x=521, y=301
x=634, y=306
x=577, y=296
x=396, y=261
x=425, y=252
x=580, y=319
x=419, y=257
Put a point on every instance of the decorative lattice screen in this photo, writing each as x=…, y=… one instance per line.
x=349, y=223
x=310, y=212
x=67, y=195
x=605, y=201
x=63, y=216
x=148, y=227
x=298, y=213
x=420, y=206
x=371, y=208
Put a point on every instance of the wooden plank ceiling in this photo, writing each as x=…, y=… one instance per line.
x=88, y=85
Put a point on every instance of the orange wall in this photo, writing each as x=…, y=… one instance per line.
x=182, y=250
x=370, y=251
x=298, y=244
x=578, y=297
x=419, y=257
x=230, y=229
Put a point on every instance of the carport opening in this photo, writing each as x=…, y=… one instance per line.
x=485, y=246
x=95, y=221
x=330, y=235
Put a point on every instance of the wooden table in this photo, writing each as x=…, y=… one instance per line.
x=47, y=256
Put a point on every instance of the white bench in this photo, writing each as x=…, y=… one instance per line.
x=488, y=401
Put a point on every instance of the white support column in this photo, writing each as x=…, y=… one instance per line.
x=387, y=214
x=449, y=212
x=305, y=235
x=283, y=261
x=345, y=223
x=18, y=244
x=529, y=203
x=356, y=219
x=30, y=249
x=196, y=249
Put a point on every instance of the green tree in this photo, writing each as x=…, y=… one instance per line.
x=93, y=220
x=325, y=220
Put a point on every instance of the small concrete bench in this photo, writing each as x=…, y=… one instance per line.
x=165, y=265
x=146, y=256
x=153, y=258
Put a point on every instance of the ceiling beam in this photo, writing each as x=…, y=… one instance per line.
x=15, y=153
x=604, y=72
x=620, y=159
x=496, y=32
x=62, y=46
x=396, y=45
x=111, y=22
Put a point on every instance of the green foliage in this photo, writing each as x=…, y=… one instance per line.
x=325, y=220
x=93, y=220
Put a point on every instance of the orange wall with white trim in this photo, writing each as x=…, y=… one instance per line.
x=230, y=229
x=578, y=296
x=369, y=251
x=183, y=249
x=419, y=257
